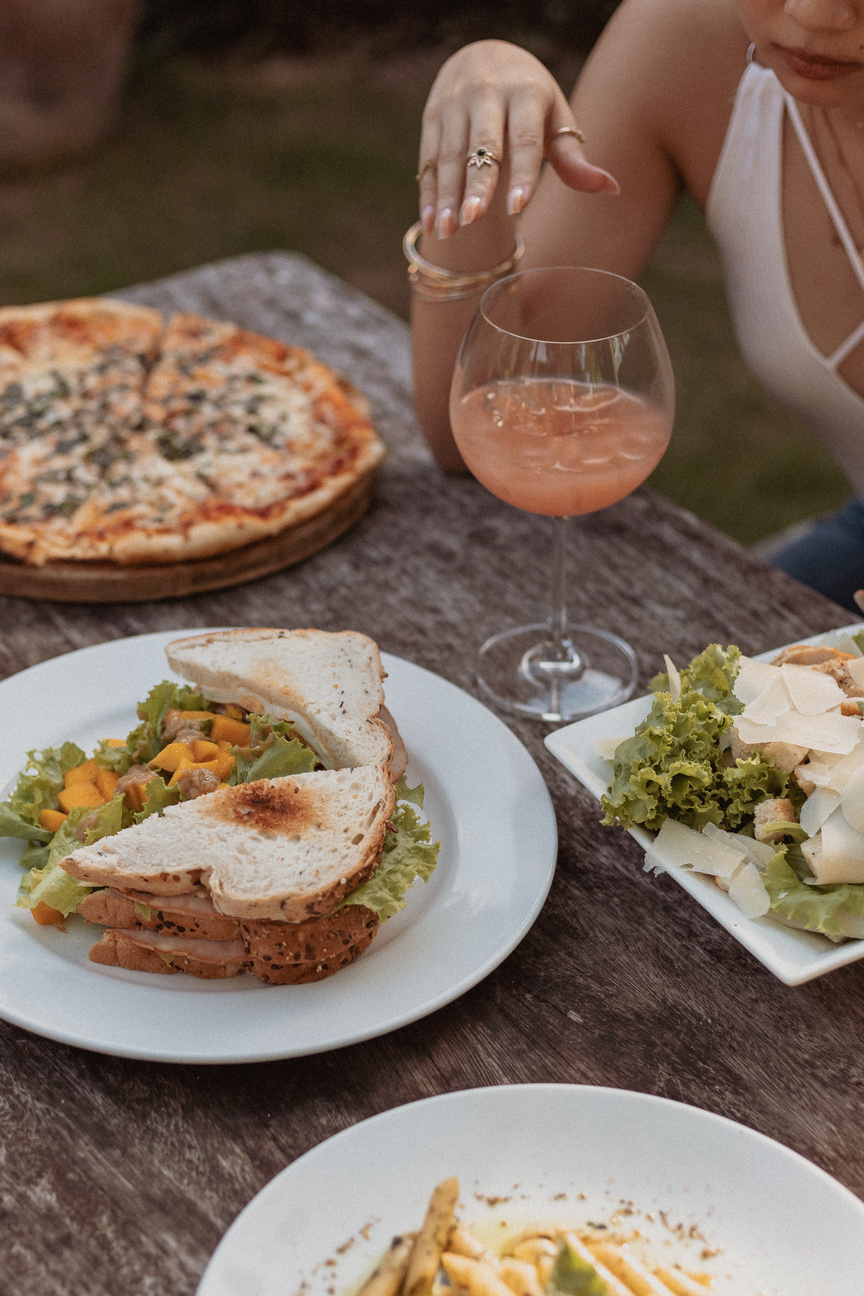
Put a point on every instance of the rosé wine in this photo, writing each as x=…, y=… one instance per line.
x=556, y=446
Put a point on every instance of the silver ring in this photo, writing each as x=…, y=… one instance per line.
x=483, y=157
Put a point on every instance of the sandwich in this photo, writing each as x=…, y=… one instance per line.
x=258, y=820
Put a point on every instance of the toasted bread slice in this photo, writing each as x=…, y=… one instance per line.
x=329, y=686
x=286, y=849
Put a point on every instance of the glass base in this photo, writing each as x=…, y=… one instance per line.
x=523, y=671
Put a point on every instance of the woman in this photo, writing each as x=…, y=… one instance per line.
x=757, y=108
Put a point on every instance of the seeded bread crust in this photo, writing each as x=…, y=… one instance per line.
x=274, y=947
x=328, y=685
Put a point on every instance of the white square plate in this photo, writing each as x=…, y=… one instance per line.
x=793, y=956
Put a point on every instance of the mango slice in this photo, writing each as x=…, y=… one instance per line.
x=52, y=819
x=106, y=781
x=48, y=917
x=80, y=794
x=231, y=731
x=85, y=773
x=170, y=757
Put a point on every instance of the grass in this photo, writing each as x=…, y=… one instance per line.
x=318, y=155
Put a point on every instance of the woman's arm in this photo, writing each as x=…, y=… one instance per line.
x=628, y=103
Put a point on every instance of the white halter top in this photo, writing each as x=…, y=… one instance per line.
x=744, y=214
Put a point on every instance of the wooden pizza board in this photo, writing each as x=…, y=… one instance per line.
x=82, y=582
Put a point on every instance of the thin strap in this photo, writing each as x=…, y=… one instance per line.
x=846, y=348
x=825, y=189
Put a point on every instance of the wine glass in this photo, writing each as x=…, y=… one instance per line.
x=562, y=403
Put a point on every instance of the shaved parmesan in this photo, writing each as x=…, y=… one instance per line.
x=841, y=771
x=674, y=678
x=773, y=702
x=607, y=747
x=853, y=799
x=811, y=691
x=686, y=848
x=831, y=732
x=748, y=891
x=856, y=670
x=752, y=679
x=723, y=838
x=842, y=855
x=817, y=808
x=750, y=850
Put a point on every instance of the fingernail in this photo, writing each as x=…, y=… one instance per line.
x=612, y=185
x=445, y=225
x=427, y=218
x=515, y=201
x=470, y=208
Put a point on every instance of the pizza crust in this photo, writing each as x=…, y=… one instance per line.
x=159, y=442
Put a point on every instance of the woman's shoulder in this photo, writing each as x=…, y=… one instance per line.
x=681, y=61
x=681, y=44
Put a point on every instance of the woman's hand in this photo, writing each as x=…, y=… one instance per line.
x=499, y=97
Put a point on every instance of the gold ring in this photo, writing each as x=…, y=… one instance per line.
x=563, y=130
x=427, y=166
x=483, y=157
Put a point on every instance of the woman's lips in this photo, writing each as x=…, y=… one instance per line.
x=816, y=67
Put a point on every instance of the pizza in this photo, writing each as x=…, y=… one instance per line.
x=128, y=438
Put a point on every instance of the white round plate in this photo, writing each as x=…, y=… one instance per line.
x=485, y=799
x=713, y=1195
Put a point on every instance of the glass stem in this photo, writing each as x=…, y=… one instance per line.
x=559, y=646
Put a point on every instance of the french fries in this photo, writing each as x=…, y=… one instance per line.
x=446, y=1259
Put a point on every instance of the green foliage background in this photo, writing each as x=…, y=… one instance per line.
x=249, y=125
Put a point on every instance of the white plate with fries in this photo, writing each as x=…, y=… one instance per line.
x=681, y=1196
x=486, y=802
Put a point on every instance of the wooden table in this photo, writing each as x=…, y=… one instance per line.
x=119, y=1177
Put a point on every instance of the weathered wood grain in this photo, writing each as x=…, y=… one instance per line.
x=119, y=1176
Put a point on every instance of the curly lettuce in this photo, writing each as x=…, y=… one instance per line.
x=677, y=763
x=408, y=854
x=36, y=790
x=46, y=882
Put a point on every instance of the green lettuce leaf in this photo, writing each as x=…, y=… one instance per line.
x=274, y=751
x=407, y=854
x=573, y=1276
x=159, y=795
x=145, y=742
x=53, y=886
x=34, y=855
x=673, y=764
x=712, y=674
x=36, y=789
x=50, y=883
x=813, y=907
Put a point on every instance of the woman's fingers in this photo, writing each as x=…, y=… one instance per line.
x=427, y=175
x=450, y=172
x=486, y=154
x=566, y=158
x=497, y=98
x=525, y=130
